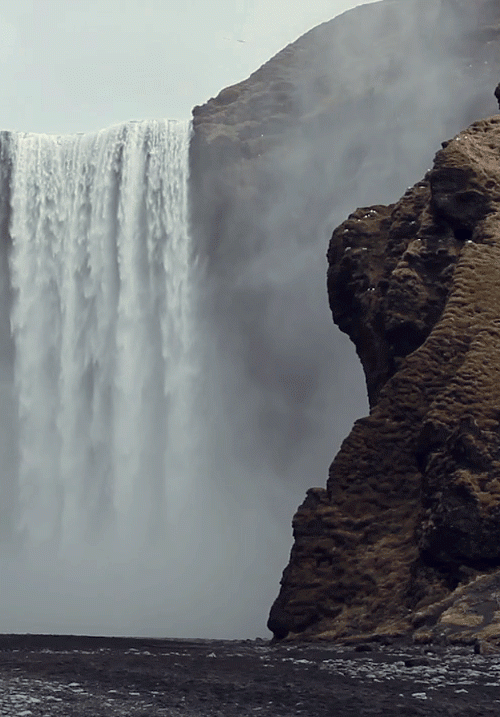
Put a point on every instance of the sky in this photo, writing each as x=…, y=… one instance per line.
x=84, y=65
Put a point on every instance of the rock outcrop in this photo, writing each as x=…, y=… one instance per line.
x=347, y=115
x=406, y=536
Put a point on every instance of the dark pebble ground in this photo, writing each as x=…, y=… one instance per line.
x=52, y=676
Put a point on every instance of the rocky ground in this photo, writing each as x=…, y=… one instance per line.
x=64, y=675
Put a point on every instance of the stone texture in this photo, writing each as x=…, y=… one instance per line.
x=411, y=512
x=470, y=615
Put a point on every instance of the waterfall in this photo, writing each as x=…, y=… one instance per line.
x=101, y=326
x=126, y=506
x=123, y=509
x=97, y=366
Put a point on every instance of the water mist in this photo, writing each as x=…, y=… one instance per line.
x=103, y=509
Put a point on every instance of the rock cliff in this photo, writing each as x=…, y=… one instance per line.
x=411, y=513
x=349, y=114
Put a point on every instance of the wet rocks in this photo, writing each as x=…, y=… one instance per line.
x=61, y=675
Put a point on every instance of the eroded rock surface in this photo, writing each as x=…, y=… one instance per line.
x=410, y=518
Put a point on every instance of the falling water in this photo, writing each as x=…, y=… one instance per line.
x=97, y=363
x=123, y=507
x=100, y=321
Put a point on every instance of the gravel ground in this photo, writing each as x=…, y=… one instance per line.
x=52, y=676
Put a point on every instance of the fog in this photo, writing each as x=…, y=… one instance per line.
x=272, y=386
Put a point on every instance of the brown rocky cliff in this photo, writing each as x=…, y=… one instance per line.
x=349, y=114
x=412, y=504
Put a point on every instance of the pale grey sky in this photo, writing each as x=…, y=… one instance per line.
x=81, y=65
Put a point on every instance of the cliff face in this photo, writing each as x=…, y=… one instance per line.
x=347, y=115
x=412, y=504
